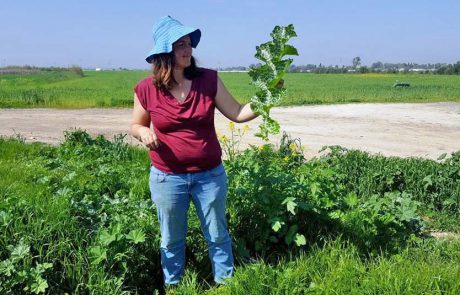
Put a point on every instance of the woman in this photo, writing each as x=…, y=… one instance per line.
x=174, y=117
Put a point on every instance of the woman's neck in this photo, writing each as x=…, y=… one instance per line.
x=179, y=75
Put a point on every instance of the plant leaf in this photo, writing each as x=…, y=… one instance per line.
x=276, y=226
x=291, y=234
x=300, y=240
x=97, y=254
x=39, y=286
x=106, y=238
x=136, y=235
x=290, y=204
x=20, y=251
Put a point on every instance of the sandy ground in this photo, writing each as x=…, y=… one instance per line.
x=422, y=130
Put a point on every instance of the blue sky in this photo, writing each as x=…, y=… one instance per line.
x=111, y=34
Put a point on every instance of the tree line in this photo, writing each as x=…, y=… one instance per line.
x=27, y=69
x=376, y=67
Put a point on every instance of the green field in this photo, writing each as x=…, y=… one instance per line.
x=114, y=88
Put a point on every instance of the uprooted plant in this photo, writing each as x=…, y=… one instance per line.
x=268, y=76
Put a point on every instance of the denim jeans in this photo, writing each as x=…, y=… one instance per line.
x=171, y=194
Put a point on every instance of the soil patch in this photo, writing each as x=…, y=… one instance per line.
x=421, y=130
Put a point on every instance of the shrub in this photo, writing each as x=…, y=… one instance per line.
x=278, y=202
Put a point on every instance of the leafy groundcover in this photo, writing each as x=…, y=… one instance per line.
x=77, y=218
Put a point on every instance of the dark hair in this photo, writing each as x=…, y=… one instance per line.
x=163, y=66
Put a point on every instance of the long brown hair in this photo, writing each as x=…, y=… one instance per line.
x=162, y=67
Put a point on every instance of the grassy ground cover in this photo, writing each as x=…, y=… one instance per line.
x=77, y=218
x=68, y=90
x=114, y=88
x=345, y=88
x=430, y=267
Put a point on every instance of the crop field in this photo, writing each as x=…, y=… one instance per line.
x=77, y=218
x=114, y=88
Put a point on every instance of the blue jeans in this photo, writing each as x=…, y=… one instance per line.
x=171, y=194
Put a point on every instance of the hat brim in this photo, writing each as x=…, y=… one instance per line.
x=166, y=45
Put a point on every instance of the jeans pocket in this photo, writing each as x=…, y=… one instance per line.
x=157, y=175
x=161, y=177
x=217, y=171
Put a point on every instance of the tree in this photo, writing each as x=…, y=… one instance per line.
x=377, y=65
x=356, y=62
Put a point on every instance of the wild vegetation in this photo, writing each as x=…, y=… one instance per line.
x=78, y=218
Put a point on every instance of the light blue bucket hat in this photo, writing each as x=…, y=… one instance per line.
x=167, y=31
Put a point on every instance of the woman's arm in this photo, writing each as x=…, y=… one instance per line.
x=230, y=108
x=140, y=126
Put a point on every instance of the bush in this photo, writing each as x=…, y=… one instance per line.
x=278, y=202
x=435, y=184
x=77, y=70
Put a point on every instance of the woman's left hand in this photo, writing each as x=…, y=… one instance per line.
x=280, y=84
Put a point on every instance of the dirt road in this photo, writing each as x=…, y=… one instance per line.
x=423, y=130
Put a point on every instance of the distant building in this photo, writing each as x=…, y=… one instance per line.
x=98, y=69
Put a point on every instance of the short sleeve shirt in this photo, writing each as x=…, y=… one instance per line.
x=186, y=130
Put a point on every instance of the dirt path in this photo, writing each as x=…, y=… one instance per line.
x=424, y=130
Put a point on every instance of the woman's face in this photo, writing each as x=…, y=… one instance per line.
x=182, y=50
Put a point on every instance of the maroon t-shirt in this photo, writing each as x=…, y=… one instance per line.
x=186, y=130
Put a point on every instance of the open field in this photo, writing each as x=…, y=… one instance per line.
x=347, y=88
x=114, y=88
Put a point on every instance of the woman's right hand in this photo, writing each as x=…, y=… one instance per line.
x=148, y=137
x=140, y=126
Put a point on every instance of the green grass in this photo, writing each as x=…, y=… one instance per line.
x=67, y=90
x=64, y=201
x=346, y=88
x=38, y=210
x=428, y=267
x=115, y=88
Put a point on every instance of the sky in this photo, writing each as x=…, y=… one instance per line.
x=113, y=34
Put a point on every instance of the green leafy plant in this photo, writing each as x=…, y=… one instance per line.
x=84, y=206
x=436, y=184
x=278, y=202
x=17, y=271
x=267, y=77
